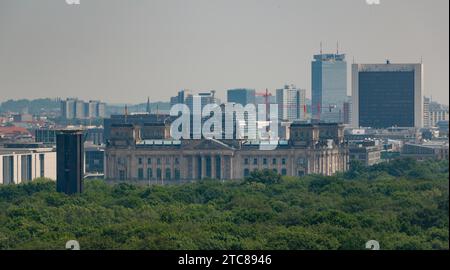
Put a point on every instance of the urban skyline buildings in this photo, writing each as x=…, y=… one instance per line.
x=387, y=95
x=291, y=103
x=73, y=108
x=328, y=87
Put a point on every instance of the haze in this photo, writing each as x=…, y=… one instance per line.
x=123, y=51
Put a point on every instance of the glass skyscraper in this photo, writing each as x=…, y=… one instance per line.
x=241, y=96
x=329, y=87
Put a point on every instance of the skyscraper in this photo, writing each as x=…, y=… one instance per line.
x=241, y=96
x=70, y=161
x=291, y=103
x=329, y=87
x=387, y=95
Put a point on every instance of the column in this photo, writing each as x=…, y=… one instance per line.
x=222, y=167
x=203, y=167
x=213, y=167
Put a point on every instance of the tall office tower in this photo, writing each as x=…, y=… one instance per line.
x=426, y=112
x=291, y=103
x=241, y=96
x=68, y=108
x=204, y=98
x=348, y=111
x=329, y=87
x=80, y=109
x=180, y=98
x=70, y=161
x=93, y=109
x=387, y=95
x=101, y=110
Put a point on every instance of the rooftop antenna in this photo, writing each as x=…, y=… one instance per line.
x=321, y=47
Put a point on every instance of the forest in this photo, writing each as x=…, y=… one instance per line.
x=404, y=205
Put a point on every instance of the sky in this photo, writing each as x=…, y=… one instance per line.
x=122, y=51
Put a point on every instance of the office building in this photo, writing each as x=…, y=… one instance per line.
x=241, y=96
x=291, y=103
x=21, y=163
x=387, y=95
x=426, y=112
x=329, y=87
x=70, y=161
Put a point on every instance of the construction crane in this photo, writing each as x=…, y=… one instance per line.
x=266, y=96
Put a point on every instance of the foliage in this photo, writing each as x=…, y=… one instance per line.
x=403, y=205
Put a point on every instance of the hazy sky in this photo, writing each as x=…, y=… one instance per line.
x=123, y=51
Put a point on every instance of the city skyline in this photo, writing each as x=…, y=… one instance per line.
x=166, y=46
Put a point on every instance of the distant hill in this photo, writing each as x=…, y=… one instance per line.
x=30, y=106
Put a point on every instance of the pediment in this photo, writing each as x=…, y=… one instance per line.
x=205, y=144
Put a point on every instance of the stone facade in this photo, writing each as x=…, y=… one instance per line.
x=148, y=153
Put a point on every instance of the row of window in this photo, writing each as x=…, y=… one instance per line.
x=158, y=161
x=158, y=175
x=265, y=161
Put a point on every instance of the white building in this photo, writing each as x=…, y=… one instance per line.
x=291, y=103
x=20, y=164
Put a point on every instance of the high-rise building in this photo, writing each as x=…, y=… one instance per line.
x=93, y=109
x=72, y=108
x=241, y=96
x=291, y=103
x=180, y=98
x=70, y=161
x=348, y=111
x=204, y=98
x=426, y=112
x=387, y=95
x=329, y=87
x=68, y=108
x=80, y=109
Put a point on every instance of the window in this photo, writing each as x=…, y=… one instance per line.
x=264, y=161
x=275, y=170
x=149, y=161
x=177, y=161
x=177, y=174
x=140, y=173
x=140, y=161
x=301, y=173
x=246, y=161
x=255, y=161
x=283, y=161
x=168, y=174
x=158, y=174
x=283, y=171
x=274, y=161
x=246, y=172
x=42, y=164
x=158, y=161
x=121, y=175
x=149, y=173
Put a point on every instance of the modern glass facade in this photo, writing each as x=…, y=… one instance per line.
x=241, y=96
x=386, y=99
x=329, y=87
